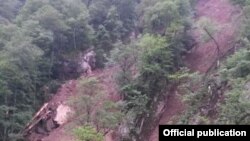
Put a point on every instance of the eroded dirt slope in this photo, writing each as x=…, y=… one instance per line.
x=202, y=57
x=107, y=81
x=225, y=17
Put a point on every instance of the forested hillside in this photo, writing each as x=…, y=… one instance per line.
x=113, y=70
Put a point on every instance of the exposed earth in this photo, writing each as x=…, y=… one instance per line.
x=200, y=59
x=204, y=55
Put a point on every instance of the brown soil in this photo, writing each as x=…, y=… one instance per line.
x=107, y=81
x=60, y=134
x=174, y=107
x=202, y=57
x=66, y=90
x=60, y=98
x=225, y=15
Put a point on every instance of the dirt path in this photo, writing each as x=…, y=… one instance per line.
x=201, y=58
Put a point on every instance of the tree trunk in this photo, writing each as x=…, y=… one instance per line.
x=215, y=42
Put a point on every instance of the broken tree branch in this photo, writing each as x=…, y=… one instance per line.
x=215, y=42
x=35, y=122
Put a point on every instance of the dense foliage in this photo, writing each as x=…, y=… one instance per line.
x=223, y=98
x=88, y=133
x=235, y=110
x=92, y=108
x=149, y=64
x=39, y=45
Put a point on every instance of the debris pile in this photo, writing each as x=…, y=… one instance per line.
x=51, y=115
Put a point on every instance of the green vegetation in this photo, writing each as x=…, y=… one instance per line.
x=88, y=133
x=156, y=57
x=93, y=109
x=146, y=40
x=236, y=71
x=40, y=42
x=231, y=80
x=241, y=2
x=235, y=110
x=39, y=45
x=205, y=23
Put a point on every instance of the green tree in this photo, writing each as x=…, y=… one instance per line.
x=88, y=133
x=18, y=69
x=160, y=16
x=89, y=96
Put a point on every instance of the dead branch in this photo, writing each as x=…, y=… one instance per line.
x=215, y=42
x=232, y=49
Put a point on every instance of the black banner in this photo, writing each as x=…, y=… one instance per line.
x=204, y=132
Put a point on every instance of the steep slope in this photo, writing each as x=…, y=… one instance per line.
x=63, y=95
x=204, y=56
x=201, y=59
x=35, y=131
x=226, y=17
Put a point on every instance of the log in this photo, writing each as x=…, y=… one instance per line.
x=37, y=114
x=37, y=121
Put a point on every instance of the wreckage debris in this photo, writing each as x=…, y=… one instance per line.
x=48, y=118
